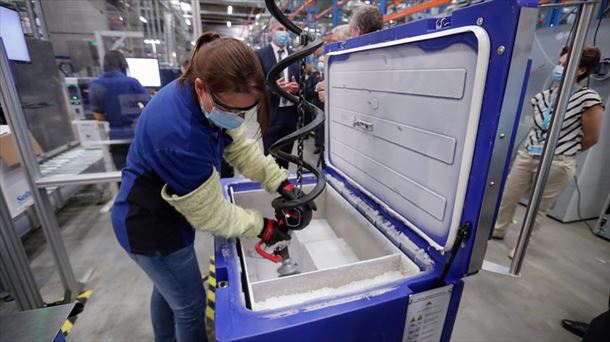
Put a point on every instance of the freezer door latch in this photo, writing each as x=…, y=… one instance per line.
x=358, y=123
x=462, y=234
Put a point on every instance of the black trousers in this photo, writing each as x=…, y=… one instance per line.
x=119, y=155
x=319, y=141
x=599, y=330
x=283, y=122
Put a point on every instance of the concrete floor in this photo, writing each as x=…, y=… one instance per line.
x=565, y=275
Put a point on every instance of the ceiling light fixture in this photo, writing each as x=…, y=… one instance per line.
x=185, y=6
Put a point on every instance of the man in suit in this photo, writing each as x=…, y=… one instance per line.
x=283, y=120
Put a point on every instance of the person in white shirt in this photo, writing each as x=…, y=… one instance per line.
x=579, y=131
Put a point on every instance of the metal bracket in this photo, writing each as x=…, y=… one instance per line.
x=462, y=234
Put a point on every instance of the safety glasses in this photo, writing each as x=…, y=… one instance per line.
x=241, y=112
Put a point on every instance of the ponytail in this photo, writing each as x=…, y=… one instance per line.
x=204, y=38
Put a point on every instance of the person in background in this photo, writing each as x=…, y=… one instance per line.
x=171, y=186
x=118, y=99
x=597, y=330
x=284, y=114
x=579, y=131
x=340, y=33
x=365, y=19
x=311, y=93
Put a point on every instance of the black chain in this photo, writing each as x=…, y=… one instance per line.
x=301, y=114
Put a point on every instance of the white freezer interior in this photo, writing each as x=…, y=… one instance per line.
x=339, y=253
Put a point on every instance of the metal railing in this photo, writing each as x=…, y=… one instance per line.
x=577, y=41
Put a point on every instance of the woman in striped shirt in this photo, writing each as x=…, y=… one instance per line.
x=579, y=131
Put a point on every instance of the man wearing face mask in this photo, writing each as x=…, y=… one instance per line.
x=283, y=120
x=579, y=131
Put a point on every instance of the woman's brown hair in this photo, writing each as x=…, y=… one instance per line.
x=589, y=59
x=228, y=65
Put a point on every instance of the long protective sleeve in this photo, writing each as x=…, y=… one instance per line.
x=206, y=209
x=245, y=155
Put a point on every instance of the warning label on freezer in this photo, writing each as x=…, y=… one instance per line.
x=426, y=315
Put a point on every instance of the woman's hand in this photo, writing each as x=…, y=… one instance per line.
x=273, y=232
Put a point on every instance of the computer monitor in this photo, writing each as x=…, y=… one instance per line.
x=145, y=70
x=11, y=33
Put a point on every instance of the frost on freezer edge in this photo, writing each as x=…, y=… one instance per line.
x=403, y=242
x=299, y=298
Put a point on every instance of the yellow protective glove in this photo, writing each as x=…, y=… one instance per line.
x=245, y=155
x=206, y=209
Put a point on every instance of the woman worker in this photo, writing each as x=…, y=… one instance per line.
x=579, y=131
x=171, y=186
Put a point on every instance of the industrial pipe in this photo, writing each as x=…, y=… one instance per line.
x=328, y=9
x=301, y=8
x=548, y=152
x=412, y=10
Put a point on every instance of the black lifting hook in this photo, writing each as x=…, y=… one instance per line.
x=309, y=43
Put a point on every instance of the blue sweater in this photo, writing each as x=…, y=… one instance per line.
x=117, y=97
x=174, y=144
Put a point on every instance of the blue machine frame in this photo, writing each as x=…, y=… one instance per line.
x=510, y=26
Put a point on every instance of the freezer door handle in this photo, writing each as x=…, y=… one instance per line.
x=358, y=123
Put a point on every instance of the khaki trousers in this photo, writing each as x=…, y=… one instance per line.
x=521, y=180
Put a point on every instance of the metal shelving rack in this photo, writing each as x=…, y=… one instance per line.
x=39, y=185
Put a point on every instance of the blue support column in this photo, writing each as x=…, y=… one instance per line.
x=309, y=16
x=551, y=14
x=602, y=7
x=383, y=5
x=336, y=13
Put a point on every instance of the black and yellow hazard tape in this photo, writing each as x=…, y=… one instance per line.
x=211, y=302
x=81, y=300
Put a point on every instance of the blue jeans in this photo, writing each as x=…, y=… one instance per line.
x=178, y=298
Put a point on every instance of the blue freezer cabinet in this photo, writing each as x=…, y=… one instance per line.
x=420, y=120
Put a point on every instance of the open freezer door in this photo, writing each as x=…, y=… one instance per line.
x=402, y=123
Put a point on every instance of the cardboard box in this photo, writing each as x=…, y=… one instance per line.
x=8, y=150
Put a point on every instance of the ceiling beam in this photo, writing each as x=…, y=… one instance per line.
x=329, y=9
x=245, y=3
